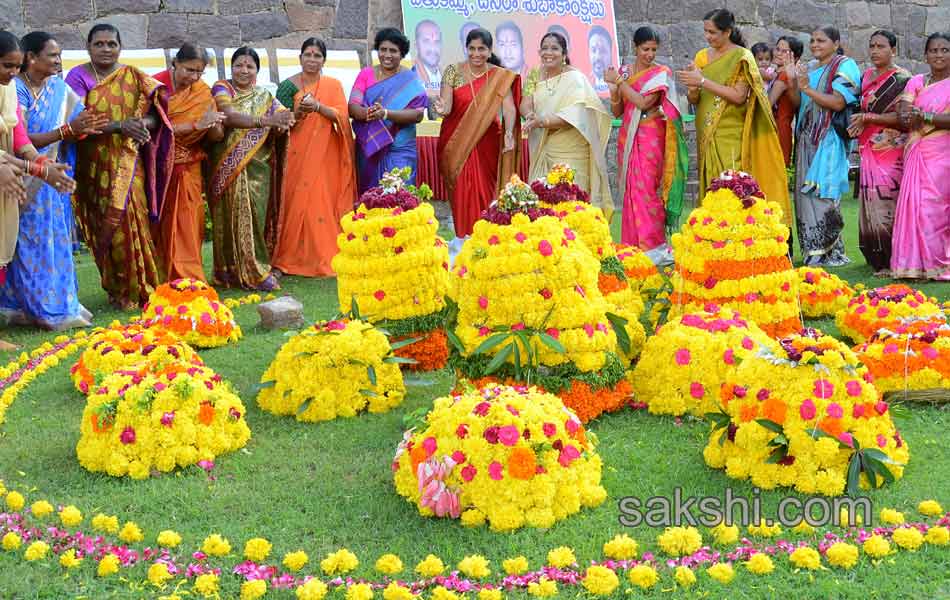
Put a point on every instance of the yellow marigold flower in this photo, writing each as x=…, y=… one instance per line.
x=341, y=561
x=908, y=538
x=515, y=566
x=760, y=564
x=36, y=551
x=938, y=536
x=442, y=593
x=69, y=560
x=430, y=566
x=11, y=541
x=389, y=564
x=158, y=574
x=680, y=541
x=763, y=529
x=543, y=588
x=725, y=534
x=207, y=585
x=295, y=560
x=805, y=558
x=621, y=547
x=474, y=566
x=561, y=557
x=889, y=516
x=721, y=572
x=106, y=523
x=359, y=591
x=644, y=576
x=842, y=554
x=15, y=501
x=876, y=546
x=487, y=594
x=257, y=549
x=930, y=508
x=394, y=591
x=314, y=589
x=684, y=576
x=168, y=539
x=131, y=533
x=215, y=545
x=844, y=518
x=600, y=581
x=108, y=565
x=803, y=528
x=70, y=516
x=473, y=518
x=252, y=590
x=41, y=508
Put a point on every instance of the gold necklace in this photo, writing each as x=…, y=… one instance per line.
x=471, y=79
x=547, y=85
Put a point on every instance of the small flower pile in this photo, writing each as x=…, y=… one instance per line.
x=913, y=356
x=22, y=371
x=119, y=346
x=192, y=310
x=683, y=366
x=393, y=265
x=884, y=308
x=642, y=275
x=733, y=251
x=805, y=416
x=509, y=456
x=333, y=369
x=821, y=293
x=157, y=418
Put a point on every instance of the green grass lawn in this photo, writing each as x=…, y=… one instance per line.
x=319, y=487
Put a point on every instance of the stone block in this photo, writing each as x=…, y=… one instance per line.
x=243, y=7
x=384, y=13
x=351, y=20
x=105, y=8
x=938, y=19
x=858, y=46
x=214, y=31
x=285, y=312
x=686, y=40
x=754, y=35
x=916, y=47
x=11, y=17
x=204, y=7
x=330, y=3
x=880, y=15
x=765, y=12
x=132, y=28
x=858, y=15
x=168, y=31
x=309, y=18
x=263, y=26
x=744, y=11
x=801, y=15
x=69, y=37
x=924, y=2
x=633, y=10
x=40, y=14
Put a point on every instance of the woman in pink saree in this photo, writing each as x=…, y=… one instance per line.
x=921, y=242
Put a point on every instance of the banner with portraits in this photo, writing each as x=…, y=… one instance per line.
x=437, y=30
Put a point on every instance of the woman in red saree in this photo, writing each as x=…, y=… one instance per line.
x=194, y=117
x=477, y=150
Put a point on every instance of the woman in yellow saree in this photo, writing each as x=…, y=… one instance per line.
x=567, y=122
x=734, y=123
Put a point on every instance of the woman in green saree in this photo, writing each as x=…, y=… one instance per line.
x=245, y=182
x=734, y=123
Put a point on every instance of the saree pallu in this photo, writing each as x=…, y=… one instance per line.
x=120, y=186
x=652, y=156
x=921, y=242
x=382, y=146
x=882, y=151
x=471, y=141
x=243, y=191
x=742, y=137
x=582, y=145
x=821, y=173
x=41, y=279
x=182, y=223
x=311, y=208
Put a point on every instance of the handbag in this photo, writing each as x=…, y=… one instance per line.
x=841, y=120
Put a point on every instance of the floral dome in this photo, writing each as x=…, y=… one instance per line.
x=191, y=309
x=884, y=308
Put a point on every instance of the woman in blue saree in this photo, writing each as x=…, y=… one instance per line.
x=385, y=104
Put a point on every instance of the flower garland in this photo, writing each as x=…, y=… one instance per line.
x=158, y=417
x=19, y=373
x=822, y=294
x=733, y=251
x=332, y=369
x=506, y=456
x=394, y=267
x=683, y=366
x=642, y=274
x=913, y=356
x=883, y=308
x=119, y=346
x=191, y=309
x=800, y=416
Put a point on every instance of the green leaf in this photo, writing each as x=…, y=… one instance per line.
x=371, y=372
x=770, y=425
x=404, y=343
x=552, y=343
x=455, y=340
x=878, y=468
x=526, y=344
x=491, y=342
x=777, y=455
x=854, y=475
x=399, y=360
x=868, y=470
x=517, y=354
x=881, y=457
x=498, y=360
x=354, y=308
x=304, y=406
x=724, y=436
x=369, y=393
x=260, y=387
x=619, y=323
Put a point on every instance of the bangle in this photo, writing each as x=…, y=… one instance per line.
x=260, y=122
x=385, y=114
x=929, y=118
x=702, y=82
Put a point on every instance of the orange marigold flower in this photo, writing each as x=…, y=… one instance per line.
x=522, y=463
x=206, y=413
x=774, y=409
x=749, y=412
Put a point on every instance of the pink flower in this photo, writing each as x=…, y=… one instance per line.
x=206, y=318
x=857, y=411
x=398, y=250
x=568, y=455
x=182, y=309
x=930, y=353
x=810, y=277
x=518, y=327
x=481, y=409
x=824, y=389
x=207, y=465
x=707, y=220
x=847, y=439
x=379, y=295
x=483, y=331
x=458, y=456
x=682, y=357
x=786, y=286
x=491, y=434
x=750, y=220
x=546, y=293
x=881, y=441
x=807, y=410
x=710, y=283
x=234, y=414
x=461, y=431
x=719, y=245
x=482, y=302
x=569, y=234
x=883, y=312
x=335, y=326
x=589, y=330
x=159, y=386
x=696, y=390
x=388, y=232
x=891, y=348
x=520, y=237
x=762, y=395
x=468, y=472
x=430, y=445
x=495, y=470
x=729, y=357
x=168, y=418
x=549, y=429
x=880, y=407
x=159, y=309
x=860, y=310
x=127, y=436
x=747, y=343
x=748, y=241
x=508, y=435
x=580, y=290
x=493, y=240
x=572, y=426
x=853, y=387
x=544, y=247
x=834, y=410
x=512, y=410
x=553, y=332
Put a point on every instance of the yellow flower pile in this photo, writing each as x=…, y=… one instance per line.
x=733, y=251
x=642, y=275
x=23, y=370
x=159, y=418
x=192, y=310
x=333, y=369
x=821, y=293
x=884, y=308
x=796, y=416
x=119, y=346
x=683, y=366
x=914, y=355
x=508, y=456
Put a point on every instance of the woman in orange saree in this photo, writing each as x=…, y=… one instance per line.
x=194, y=117
x=121, y=178
x=477, y=150
x=312, y=206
